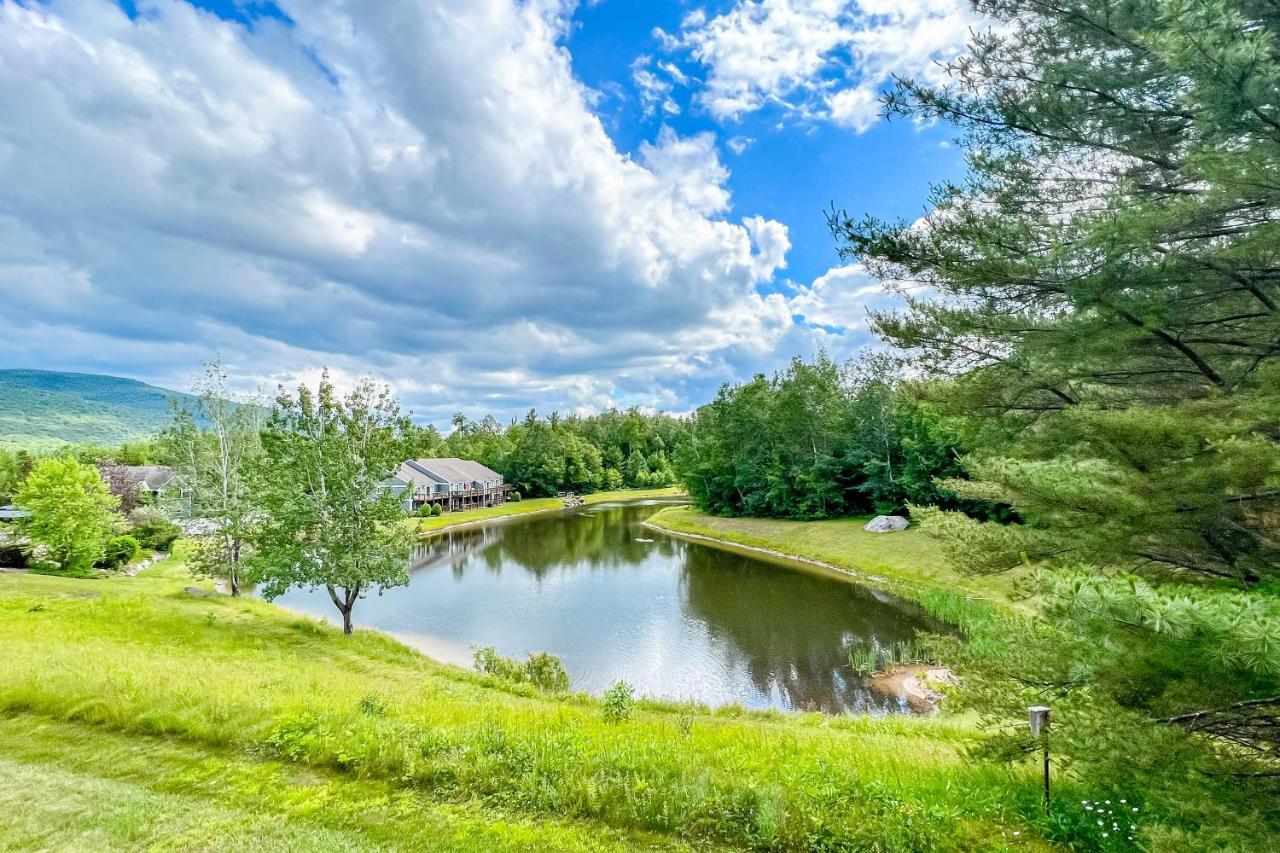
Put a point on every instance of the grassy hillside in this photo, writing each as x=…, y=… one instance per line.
x=133, y=714
x=41, y=409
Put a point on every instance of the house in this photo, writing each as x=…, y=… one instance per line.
x=155, y=485
x=454, y=484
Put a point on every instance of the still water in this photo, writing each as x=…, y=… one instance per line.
x=672, y=618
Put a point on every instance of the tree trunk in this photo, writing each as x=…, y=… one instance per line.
x=234, y=574
x=344, y=603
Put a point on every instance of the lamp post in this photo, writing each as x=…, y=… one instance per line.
x=1039, y=721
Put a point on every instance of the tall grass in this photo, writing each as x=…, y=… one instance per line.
x=875, y=658
x=138, y=656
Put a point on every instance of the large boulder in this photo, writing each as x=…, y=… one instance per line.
x=886, y=524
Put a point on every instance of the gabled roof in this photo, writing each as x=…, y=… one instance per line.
x=451, y=470
x=151, y=477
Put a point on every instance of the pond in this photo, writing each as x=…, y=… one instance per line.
x=619, y=601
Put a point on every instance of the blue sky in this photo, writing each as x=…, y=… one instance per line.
x=490, y=204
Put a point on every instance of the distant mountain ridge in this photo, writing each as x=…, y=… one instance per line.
x=41, y=409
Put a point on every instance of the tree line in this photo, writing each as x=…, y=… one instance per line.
x=544, y=456
x=820, y=440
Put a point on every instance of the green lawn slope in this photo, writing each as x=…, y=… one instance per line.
x=133, y=714
x=907, y=561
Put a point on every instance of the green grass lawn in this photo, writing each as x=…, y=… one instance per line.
x=907, y=561
x=452, y=519
x=133, y=714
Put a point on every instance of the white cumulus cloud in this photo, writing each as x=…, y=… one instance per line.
x=417, y=190
x=824, y=59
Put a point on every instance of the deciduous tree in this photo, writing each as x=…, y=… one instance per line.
x=216, y=461
x=326, y=520
x=72, y=514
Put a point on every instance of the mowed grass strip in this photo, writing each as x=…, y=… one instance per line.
x=437, y=523
x=138, y=656
x=907, y=560
x=71, y=786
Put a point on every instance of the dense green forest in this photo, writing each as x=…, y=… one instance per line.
x=822, y=440
x=543, y=456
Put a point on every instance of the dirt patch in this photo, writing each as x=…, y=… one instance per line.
x=921, y=685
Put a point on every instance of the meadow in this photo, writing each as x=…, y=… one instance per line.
x=138, y=714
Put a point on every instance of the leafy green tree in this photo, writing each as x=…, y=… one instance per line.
x=327, y=521
x=216, y=461
x=818, y=440
x=72, y=514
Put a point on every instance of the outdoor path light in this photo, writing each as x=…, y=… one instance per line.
x=1039, y=720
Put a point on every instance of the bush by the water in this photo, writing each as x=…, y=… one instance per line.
x=515, y=497
x=617, y=702
x=542, y=670
x=437, y=510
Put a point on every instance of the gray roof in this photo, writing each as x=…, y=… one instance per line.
x=153, y=477
x=451, y=470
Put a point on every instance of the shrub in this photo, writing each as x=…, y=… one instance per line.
x=425, y=511
x=546, y=672
x=542, y=670
x=155, y=532
x=120, y=551
x=371, y=705
x=617, y=702
x=437, y=509
x=515, y=497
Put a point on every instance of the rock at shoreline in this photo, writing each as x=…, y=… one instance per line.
x=886, y=524
x=197, y=592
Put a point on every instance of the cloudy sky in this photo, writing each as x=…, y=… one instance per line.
x=490, y=204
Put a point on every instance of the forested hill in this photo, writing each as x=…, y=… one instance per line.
x=41, y=408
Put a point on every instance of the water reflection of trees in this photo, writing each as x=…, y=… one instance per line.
x=791, y=629
x=601, y=539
